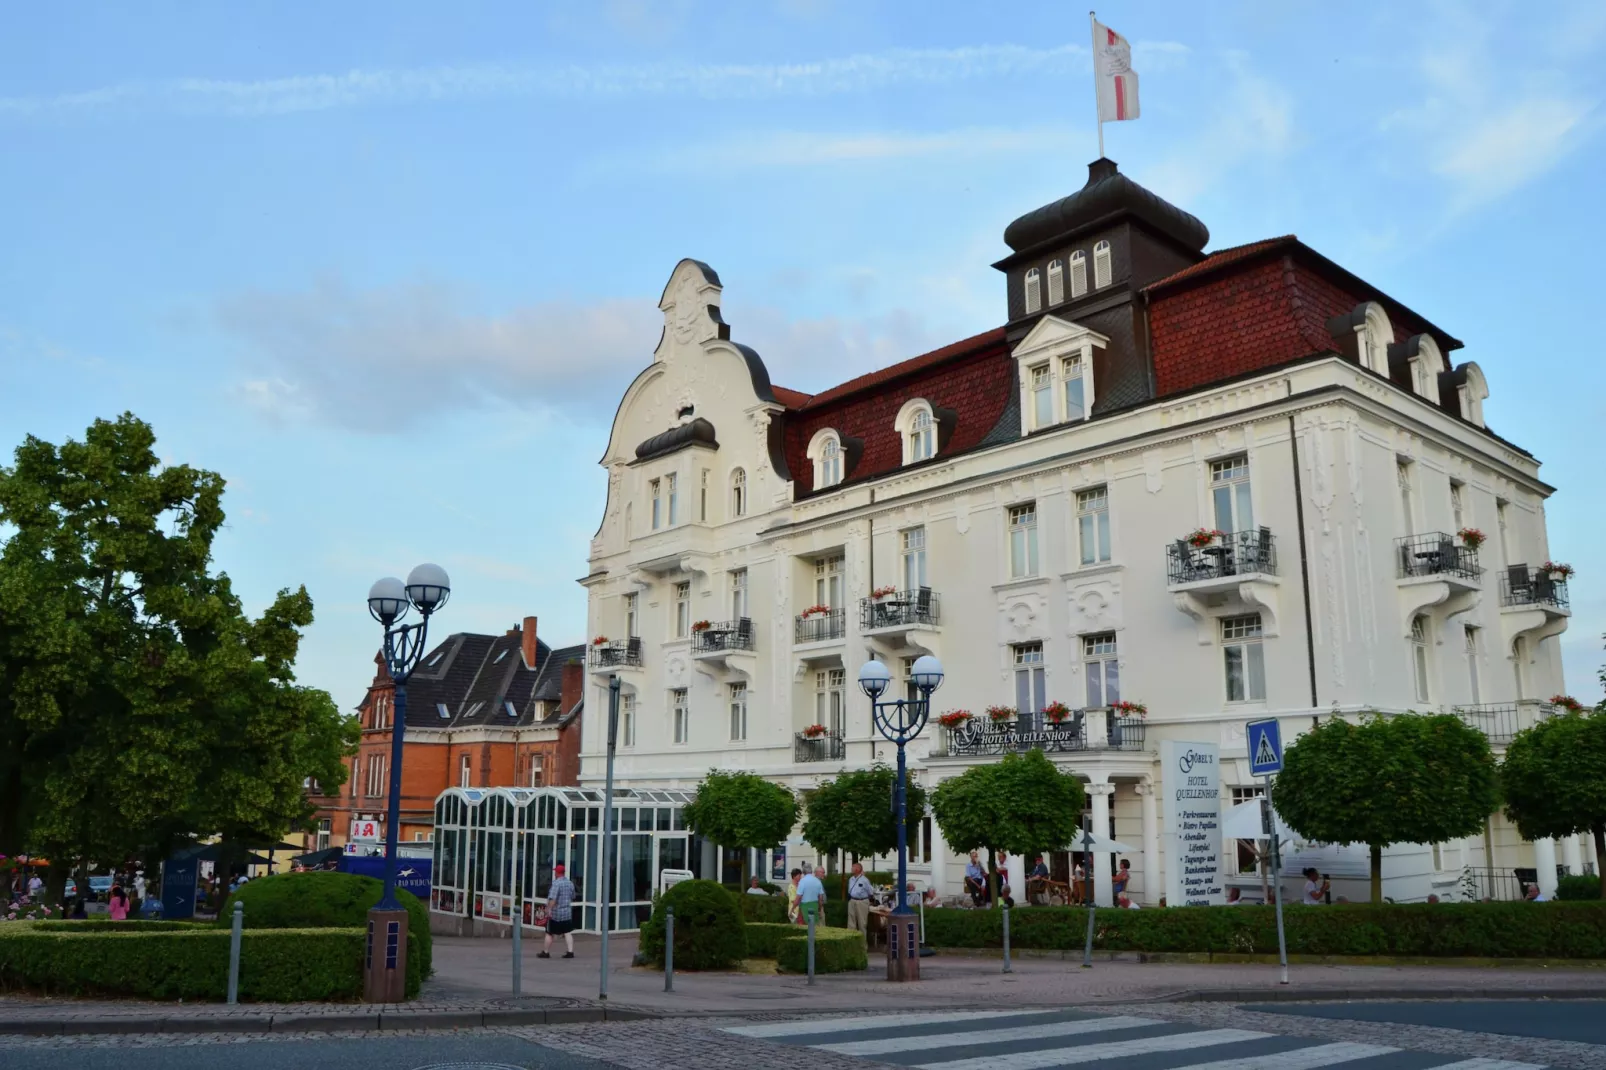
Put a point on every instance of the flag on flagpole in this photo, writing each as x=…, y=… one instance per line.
x=1112, y=71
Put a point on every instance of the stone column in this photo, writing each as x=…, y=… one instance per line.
x=1153, y=880
x=939, y=858
x=1545, y=863
x=1572, y=855
x=1099, y=799
x=1016, y=868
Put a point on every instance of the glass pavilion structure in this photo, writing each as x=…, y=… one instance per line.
x=495, y=846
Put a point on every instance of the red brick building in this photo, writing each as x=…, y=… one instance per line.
x=482, y=711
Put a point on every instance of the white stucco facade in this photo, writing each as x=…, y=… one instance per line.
x=1332, y=461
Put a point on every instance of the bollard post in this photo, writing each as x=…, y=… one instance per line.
x=518, y=949
x=669, y=949
x=811, y=949
x=234, y=952
x=1007, y=968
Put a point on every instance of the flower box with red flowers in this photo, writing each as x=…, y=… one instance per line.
x=1199, y=538
x=815, y=611
x=883, y=592
x=1000, y=714
x=1471, y=538
x=814, y=731
x=955, y=718
x=702, y=626
x=1567, y=702
x=1556, y=570
x=601, y=640
x=1056, y=712
x=1129, y=709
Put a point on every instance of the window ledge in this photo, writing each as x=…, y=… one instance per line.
x=1023, y=582
x=1099, y=569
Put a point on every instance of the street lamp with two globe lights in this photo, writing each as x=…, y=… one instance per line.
x=426, y=590
x=900, y=720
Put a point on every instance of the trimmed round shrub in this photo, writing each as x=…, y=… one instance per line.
x=323, y=900
x=709, y=930
x=835, y=951
x=767, y=908
x=1578, y=886
x=763, y=937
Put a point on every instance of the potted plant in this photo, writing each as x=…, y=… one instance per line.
x=954, y=719
x=883, y=592
x=600, y=640
x=1000, y=714
x=1557, y=570
x=814, y=731
x=815, y=611
x=1199, y=538
x=1471, y=538
x=1124, y=708
x=1056, y=712
x=702, y=626
x=1567, y=702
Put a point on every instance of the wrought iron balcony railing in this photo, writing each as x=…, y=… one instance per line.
x=1436, y=554
x=724, y=635
x=1524, y=586
x=1500, y=721
x=818, y=627
x=617, y=654
x=920, y=607
x=1238, y=553
x=830, y=747
x=1080, y=731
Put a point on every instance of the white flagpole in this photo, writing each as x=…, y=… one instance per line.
x=1093, y=31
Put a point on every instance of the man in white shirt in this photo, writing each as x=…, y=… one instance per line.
x=859, y=892
x=811, y=897
x=754, y=889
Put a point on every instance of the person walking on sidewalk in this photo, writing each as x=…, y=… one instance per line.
x=859, y=891
x=793, y=913
x=811, y=897
x=559, y=914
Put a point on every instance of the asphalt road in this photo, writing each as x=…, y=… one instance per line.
x=465, y=1050
x=1580, y=1020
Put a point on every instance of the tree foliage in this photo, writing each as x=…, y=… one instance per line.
x=139, y=705
x=854, y=812
x=1413, y=778
x=1552, y=779
x=1021, y=804
x=741, y=810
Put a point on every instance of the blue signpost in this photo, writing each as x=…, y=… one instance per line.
x=1265, y=740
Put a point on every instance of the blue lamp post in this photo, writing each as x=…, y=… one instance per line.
x=900, y=720
x=426, y=590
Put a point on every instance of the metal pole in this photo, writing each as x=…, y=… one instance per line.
x=607, y=829
x=1093, y=29
x=903, y=837
x=1087, y=860
x=1007, y=967
x=234, y=952
x=393, y=806
x=1277, y=883
x=518, y=913
x=810, y=916
x=669, y=948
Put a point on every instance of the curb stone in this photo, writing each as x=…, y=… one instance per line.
x=324, y=1023
x=237, y=1023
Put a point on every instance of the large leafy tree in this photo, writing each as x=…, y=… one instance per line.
x=1021, y=803
x=1552, y=779
x=1412, y=778
x=139, y=704
x=741, y=810
x=854, y=813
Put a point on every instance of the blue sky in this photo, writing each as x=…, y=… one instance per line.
x=388, y=267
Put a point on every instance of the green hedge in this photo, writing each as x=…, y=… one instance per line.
x=708, y=927
x=276, y=966
x=772, y=908
x=323, y=900
x=835, y=951
x=1477, y=930
x=92, y=925
x=1578, y=886
x=763, y=937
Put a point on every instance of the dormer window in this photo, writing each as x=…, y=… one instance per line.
x=1071, y=374
x=825, y=450
x=1055, y=365
x=919, y=431
x=1042, y=395
x=1034, y=293
x=1426, y=364
x=1078, y=274
x=1472, y=392
x=1056, y=282
x=1101, y=265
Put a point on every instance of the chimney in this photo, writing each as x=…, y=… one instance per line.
x=529, y=642
x=573, y=686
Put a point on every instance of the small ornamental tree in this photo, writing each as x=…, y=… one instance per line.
x=854, y=813
x=1021, y=803
x=741, y=810
x=1413, y=778
x=1552, y=779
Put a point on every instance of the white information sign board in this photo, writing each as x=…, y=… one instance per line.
x=668, y=878
x=1190, y=776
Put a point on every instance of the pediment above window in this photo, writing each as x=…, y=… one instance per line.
x=1052, y=334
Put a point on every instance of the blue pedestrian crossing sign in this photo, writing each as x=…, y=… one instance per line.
x=1265, y=747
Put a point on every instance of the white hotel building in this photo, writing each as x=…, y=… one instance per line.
x=1028, y=492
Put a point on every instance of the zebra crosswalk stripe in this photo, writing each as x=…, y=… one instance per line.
x=868, y=1021
x=1488, y=1064
x=1087, y=1053
x=1298, y=1059
x=887, y=1045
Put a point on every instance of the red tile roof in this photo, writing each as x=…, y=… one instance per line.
x=951, y=351
x=792, y=399
x=1222, y=257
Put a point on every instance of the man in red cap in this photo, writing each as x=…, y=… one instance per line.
x=559, y=913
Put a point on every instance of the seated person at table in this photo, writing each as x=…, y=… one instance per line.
x=1003, y=880
x=976, y=880
x=1037, y=881
x=931, y=897
x=754, y=889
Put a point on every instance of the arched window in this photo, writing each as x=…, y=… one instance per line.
x=1056, y=282
x=1078, y=274
x=1473, y=391
x=1376, y=334
x=1101, y=265
x=825, y=450
x=1034, y=292
x=738, y=493
x=1426, y=365
x=918, y=430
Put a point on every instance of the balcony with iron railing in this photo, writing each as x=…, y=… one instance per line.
x=901, y=611
x=820, y=747
x=723, y=636
x=819, y=627
x=1521, y=586
x=1225, y=560
x=617, y=654
x=1097, y=728
x=1437, y=555
x=1501, y=721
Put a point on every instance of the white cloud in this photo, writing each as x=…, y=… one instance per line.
x=795, y=149
x=375, y=360
x=369, y=87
